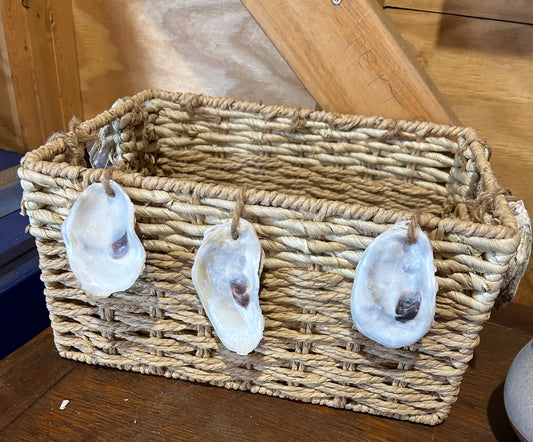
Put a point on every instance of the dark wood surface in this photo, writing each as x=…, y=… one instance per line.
x=114, y=405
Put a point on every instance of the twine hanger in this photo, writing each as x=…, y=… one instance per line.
x=106, y=178
x=239, y=206
x=411, y=231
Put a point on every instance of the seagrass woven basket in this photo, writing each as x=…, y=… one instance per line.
x=318, y=188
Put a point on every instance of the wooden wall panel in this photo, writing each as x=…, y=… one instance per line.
x=19, y=54
x=213, y=47
x=520, y=11
x=484, y=69
x=10, y=131
x=39, y=36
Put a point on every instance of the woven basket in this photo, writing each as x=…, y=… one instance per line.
x=318, y=188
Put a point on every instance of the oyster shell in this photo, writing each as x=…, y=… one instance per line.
x=103, y=250
x=394, y=290
x=225, y=274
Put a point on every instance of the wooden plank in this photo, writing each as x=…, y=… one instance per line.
x=484, y=69
x=51, y=31
x=61, y=22
x=10, y=131
x=40, y=34
x=21, y=63
x=212, y=47
x=111, y=404
x=351, y=58
x=520, y=11
x=42, y=55
x=27, y=374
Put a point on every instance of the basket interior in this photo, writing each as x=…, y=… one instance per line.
x=308, y=158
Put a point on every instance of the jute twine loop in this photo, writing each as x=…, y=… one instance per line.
x=239, y=205
x=74, y=140
x=190, y=102
x=411, y=231
x=299, y=120
x=106, y=177
x=485, y=203
x=392, y=133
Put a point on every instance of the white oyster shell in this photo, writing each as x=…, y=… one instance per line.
x=226, y=277
x=103, y=250
x=393, y=297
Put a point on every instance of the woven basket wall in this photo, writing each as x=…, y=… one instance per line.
x=319, y=187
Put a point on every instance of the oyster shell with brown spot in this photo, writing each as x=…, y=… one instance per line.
x=226, y=277
x=394, y=290
x=103, y=251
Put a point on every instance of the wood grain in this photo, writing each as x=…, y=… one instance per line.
x=483, y=68
x=21, y=63
x=40, y=34
x=26, y=375
x=10, y=131
x=108, y=404
x=351, y=58
x=212, y=47
x=61, y=30
x=40, y=43
x=520, y=11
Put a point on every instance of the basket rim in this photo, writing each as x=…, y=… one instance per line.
x=38, y=161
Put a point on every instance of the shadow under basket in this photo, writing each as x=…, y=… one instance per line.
x=318, y=188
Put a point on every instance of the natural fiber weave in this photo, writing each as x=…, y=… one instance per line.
x=318, y=187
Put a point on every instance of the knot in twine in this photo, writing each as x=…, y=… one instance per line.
x=299, y=120
x=486, y=201
x=190, y=102
x=392, y=133
x=75, y=139
x=239, y=205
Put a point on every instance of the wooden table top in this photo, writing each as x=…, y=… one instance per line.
x=109, y=404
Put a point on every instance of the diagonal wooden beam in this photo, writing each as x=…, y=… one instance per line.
x=351, y=58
